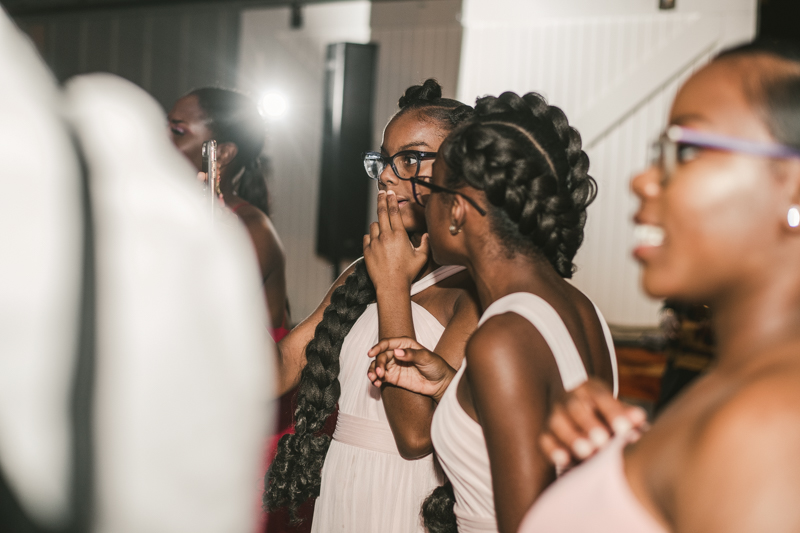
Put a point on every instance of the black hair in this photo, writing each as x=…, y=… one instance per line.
x=774, y=93
x=295, y=474
x=233, y=117
x=427, y=99
x=527, y=159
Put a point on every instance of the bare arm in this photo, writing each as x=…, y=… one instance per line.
x=510, y=375
x=271, y=260
x=292, y=349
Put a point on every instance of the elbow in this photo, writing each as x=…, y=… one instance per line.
x=414, y=448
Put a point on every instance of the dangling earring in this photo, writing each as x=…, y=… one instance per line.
x=454, y=230
x=793, y=217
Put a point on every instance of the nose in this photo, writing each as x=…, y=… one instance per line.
x=387, y=177
x=647, y=185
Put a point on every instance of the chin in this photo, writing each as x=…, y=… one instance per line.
x=665, y=286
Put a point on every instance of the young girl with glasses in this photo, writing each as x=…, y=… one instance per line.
x=378, y=468
x=507, y=199
x=721, y=206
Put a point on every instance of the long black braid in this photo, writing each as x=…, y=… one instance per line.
x=295, y=475
x=528, y=161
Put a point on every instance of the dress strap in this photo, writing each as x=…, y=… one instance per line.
x=435, y=277
x=612, y=352
x=544, y=318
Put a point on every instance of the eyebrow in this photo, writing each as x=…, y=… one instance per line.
x=408, y=146
x=682, y=120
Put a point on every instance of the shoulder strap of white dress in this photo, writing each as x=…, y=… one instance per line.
x=612, y=352
x=435, y=277
x=545, y=319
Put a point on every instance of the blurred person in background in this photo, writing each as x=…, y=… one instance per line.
x=233, y=120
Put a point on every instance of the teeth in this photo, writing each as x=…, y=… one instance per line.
x=647, y=235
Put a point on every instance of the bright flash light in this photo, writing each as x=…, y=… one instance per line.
x=273, y=105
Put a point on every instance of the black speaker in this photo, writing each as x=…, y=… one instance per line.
x=347, y=133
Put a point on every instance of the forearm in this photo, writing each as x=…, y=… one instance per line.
x=409, y=414
x=291, y=360
x=394, y=313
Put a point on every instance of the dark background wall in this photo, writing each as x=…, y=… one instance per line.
x=780, y=19
x=165, y=50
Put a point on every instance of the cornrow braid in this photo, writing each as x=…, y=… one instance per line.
x=528, y=160
x=296, y=473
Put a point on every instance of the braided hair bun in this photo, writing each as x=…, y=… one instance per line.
x=527, y=159
x=427, y=99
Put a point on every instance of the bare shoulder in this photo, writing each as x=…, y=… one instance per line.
x=765, y=408
x=258, y=224
x=742, y=472
x=509, y=344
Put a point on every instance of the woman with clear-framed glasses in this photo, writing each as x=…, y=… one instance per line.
x=719, y=222
x=378, y=468
x=507, y=199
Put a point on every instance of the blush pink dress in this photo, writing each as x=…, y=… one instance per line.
x=593, y=497
x=367, y=486
x=458, y=439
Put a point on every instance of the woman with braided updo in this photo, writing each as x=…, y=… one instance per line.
x=377, y=470
x=507, y=199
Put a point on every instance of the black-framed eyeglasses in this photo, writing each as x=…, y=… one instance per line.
x=678, y=145
x=405, y=164
x=418, y=187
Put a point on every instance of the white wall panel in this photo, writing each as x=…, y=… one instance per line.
x=274, y=57
x=614, y=67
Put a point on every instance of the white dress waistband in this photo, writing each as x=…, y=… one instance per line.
x=364, y=433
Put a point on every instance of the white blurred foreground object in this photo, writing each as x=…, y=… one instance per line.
x=180, y=409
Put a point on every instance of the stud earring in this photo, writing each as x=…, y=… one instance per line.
x=793, y=217
x=454, y=230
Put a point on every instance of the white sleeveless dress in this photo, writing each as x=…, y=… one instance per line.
x=366, y=485
x=458, y=440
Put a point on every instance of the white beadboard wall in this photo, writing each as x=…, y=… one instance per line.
x=614, y=67
x=417, y=40
x=274, y=57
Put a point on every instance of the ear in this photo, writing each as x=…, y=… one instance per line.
x=226, y=152
x=790, y=173
x=458, y=211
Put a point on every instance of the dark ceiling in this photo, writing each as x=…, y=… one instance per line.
x=45, y=7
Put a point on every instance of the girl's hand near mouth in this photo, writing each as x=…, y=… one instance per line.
x=392, y=260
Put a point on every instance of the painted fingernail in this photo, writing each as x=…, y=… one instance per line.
x=598, y=436
x=637, y=415
x=582, y=448
x=621, y=425
x=398, y=351
x=560, y=458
